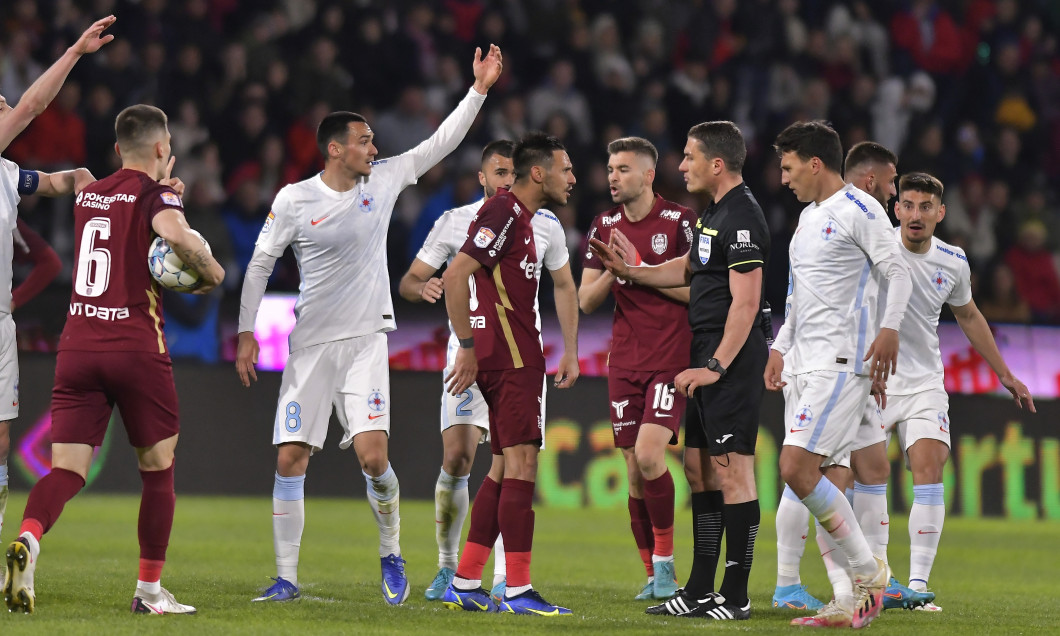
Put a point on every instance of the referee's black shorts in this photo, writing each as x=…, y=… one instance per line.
x=723, y=417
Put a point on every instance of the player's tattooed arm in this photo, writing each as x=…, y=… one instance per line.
x=171, y=225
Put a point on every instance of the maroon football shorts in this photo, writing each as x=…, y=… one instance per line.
x=514, y=400
x=89, y=384
x=643, y=396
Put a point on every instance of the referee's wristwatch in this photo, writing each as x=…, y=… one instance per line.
x=716, y=367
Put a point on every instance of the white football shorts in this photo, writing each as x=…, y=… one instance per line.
x=923, y=415
x=470, y=408
x=8, y=369
x=822, y=411
x=351, y=376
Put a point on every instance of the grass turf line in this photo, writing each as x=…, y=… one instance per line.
x=992, y=576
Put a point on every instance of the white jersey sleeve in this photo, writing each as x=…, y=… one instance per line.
x=281, y=226
x=9, y=198
x=448, y=234
x=555, y=253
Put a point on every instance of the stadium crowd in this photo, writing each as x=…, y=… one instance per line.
x=968, y=90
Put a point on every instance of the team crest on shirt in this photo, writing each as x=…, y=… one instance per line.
x=365, y=204
x=938, y=279
x=704, y=248
x=829, y=230
x=659, y=243
x=170, y=198
x=484, y=237
x=944, y=422
x=802, y=419
x=376, y=402
x=268, y=222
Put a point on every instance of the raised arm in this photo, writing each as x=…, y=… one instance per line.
x=43, y=91
x=451, y=132
x=974, y=325
x=57, y=184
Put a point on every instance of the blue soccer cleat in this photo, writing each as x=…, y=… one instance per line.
x=898, y=596
x=476, y=600
x=795, y=597
x=665, y=584
x=647, y=593
x=441, y=581
x=395, y=585
x=281, y=590
x=497, y=593
x=530, y=602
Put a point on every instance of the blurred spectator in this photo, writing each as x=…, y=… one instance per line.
x=1000, y=301
x=269, y=169
x=406, y=125
x=1035, y=272
x=56, y=138
x=244, y=214
x=925, y=36
x=971, y=221
x=558, y=93
x=18, y=69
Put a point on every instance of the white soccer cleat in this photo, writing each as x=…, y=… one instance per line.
x=158, y=604
x=928, y=607
x=18, y=581
x=868, y=595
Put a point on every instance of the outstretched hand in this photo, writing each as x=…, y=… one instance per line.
x=1019, y=392
x=625, y=248
x=90, y=41
x=487, y=69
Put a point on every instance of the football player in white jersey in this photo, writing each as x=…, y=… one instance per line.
x=465, y=417
x=871, y=168
x=842, y=247
x=336, y=223
x=917, y=406
x=15, y=182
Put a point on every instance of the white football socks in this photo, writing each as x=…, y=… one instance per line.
x=836, y=516
x=926, y=517
x=383, y=495
x=792, y=528
x=450, y=511
x=870, y=508
x=288, y=522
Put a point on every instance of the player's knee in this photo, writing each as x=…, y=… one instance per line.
x=650, y=462
x=457, y=462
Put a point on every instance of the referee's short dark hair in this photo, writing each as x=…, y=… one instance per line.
x=809, y=139
x=865, y=152
x=335, y=127
x=636, y=145
x=721, y=139
x=138, y=125
x=534, y=149
x=921, y=182
x=502, y=147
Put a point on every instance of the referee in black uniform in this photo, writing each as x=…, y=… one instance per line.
x=724, y=268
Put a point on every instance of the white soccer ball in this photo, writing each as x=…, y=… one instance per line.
x=167, y=268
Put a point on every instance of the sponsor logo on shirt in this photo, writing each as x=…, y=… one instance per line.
x=170, y=198
x=619, y=407
x=484, y=237
x=100, y=202
x=670, y=215
x=618, y=426
x=951, y=252
x=704, y=248
x=268, y=222
x=829, y=230
x=103, y=313
x=743, y=236
x=659, y=243
x=611, y=220
x=869, y=215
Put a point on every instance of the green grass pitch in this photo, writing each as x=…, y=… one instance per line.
x=992, y=576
